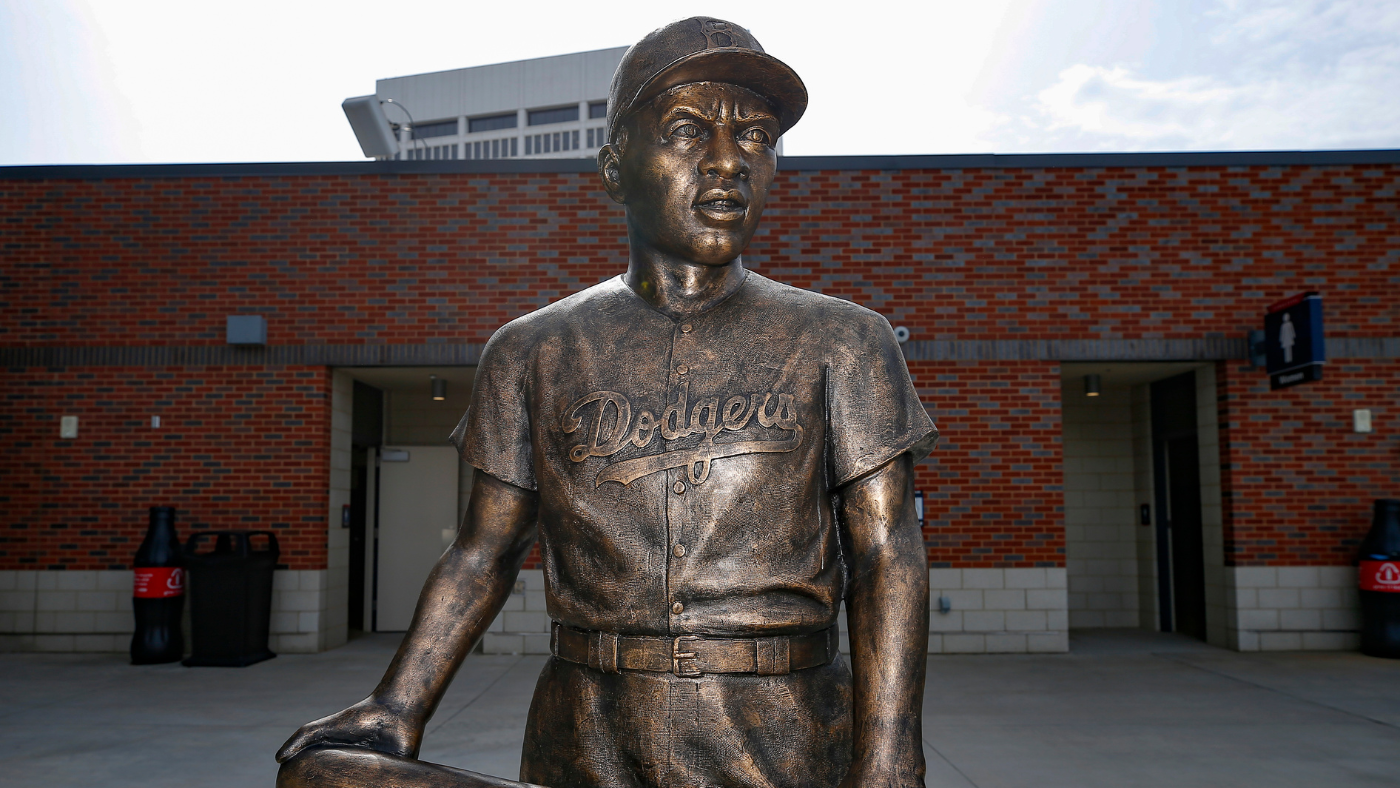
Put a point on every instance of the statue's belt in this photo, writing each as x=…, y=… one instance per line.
x=693, y=655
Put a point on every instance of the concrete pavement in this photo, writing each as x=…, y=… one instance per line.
x=1124, y=708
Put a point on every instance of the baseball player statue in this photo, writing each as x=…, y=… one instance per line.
x=712, y=462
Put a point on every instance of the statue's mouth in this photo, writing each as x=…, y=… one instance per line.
x=722, y=204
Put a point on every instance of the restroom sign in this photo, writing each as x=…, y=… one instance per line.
x=1293, y=340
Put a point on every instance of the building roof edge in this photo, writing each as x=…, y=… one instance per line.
x=961, y=161
x=788, y=163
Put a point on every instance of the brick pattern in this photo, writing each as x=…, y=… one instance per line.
x=975, y=254
x=993, y=486
x=237, y=448
x=1089, y=253
x=1297, y=482
x=327, y=259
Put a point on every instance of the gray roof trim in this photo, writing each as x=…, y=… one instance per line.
x=1204, y=349
x=967, y=161
x=453, y=354
x=788, y=163
x=284, y=169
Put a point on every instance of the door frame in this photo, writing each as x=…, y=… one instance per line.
x=1219, y=606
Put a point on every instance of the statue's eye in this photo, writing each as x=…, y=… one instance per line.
x=755, y=134
x=686, y=130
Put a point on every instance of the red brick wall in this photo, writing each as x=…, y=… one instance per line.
x=343, y=260
x=973, y=254
x=237, y=448
x=1092, y=253
x=989, y=254
x=1298, y=483
x=993, y=491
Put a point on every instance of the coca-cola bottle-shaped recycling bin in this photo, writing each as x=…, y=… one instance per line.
x=1379, y=579
x=158, y=593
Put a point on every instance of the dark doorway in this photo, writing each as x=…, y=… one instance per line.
x=366, y=431
x=1176, y=468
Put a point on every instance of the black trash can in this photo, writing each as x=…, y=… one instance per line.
x=230, y=591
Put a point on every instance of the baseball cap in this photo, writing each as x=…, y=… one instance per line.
x=703, y=49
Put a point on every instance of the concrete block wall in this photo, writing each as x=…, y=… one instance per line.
x=993, y=611
x=1292, y=608
x=1101, y=548
x=90, y=611
x=335, y=607
x=523, y=625
x=302, y=601
x=1149, y=614
x=998, y=611
x=65, y=611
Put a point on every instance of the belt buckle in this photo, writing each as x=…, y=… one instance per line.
x=679, y=659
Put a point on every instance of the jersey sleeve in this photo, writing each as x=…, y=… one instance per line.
x=494, y=434
x=874, y=413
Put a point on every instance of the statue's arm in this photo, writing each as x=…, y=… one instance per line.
x=461, y=597
x=887, y=615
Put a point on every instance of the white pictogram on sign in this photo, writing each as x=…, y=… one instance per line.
x=1287, y=338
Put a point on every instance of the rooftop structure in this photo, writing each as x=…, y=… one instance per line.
x=545, y=108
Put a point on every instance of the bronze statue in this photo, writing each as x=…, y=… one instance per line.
x=713, y=461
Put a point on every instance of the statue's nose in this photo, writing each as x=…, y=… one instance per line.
x=724, y=159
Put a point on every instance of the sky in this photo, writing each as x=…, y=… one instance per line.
x=116, y=81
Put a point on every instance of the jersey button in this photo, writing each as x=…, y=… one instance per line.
x=677, y=609
x=682, y=369
x=678, y=488
x=686, y=328
x=678, y=551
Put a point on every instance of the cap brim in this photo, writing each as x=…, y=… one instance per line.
x=760, y=72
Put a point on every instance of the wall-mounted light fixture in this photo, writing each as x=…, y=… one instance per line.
x=439, y=388
x=1091, y=385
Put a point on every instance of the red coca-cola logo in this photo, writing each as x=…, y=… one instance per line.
x=1380, y=576
x=158, y=582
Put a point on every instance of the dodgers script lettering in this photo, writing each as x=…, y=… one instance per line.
x=611, y=428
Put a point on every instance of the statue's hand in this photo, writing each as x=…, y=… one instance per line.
x=369, y=724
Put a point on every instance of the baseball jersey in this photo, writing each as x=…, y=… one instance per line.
x=685, y=467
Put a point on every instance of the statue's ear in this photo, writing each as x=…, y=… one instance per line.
x=610, y=170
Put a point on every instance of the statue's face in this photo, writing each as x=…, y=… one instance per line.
x=696, y=169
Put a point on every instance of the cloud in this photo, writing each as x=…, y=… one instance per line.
x=1111, y=101
x=1296, y=75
